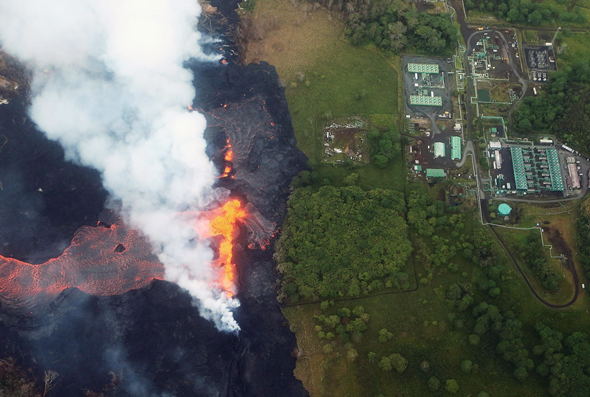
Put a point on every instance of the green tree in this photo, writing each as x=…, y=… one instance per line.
x=351, y=179
x=521, y=373
x=398, y=362
x=466, y=366
x=328, y=348
x=452, y=386
x=385, y=363
x=474, y=339
x=433, y=383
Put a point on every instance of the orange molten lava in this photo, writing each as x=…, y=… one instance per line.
x=225, y=225
x=229, y=156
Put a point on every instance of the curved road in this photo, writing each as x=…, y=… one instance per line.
x=571, y=268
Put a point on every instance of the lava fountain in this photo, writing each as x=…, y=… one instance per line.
x=225, y=225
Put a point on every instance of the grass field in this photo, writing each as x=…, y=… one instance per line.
x=422, y=331
x=326, y=77
x=573, y=48
x=351, y=81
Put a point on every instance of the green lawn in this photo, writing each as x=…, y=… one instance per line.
x=347, y=81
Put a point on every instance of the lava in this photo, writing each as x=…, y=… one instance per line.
x=100, y=261
x=225, y=225
x=229, y=156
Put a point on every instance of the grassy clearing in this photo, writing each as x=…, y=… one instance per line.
x=573, y=48
x=300, y=40
x=326, y=77
x=530, y=36
x=351, y=81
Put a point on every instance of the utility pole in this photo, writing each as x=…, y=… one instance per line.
x=555, y=36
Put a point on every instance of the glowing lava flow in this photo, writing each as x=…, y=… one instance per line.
x=225, y=225
x=229, y=156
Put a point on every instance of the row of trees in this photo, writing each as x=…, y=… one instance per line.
x=564, y=108
x=583, y=236
x=397, y=29
x=531, y=251
x=342, y=242
x=525, y=11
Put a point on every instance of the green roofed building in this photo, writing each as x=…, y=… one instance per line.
x=425, y=100
x=439, y=149
x=455, y=148
x=435, y=173
x=422, y=68
x=518, y=167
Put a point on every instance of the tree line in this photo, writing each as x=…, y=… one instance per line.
x=526, y=12
x=397, y=28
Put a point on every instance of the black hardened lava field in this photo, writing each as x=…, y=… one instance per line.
x=151, y=341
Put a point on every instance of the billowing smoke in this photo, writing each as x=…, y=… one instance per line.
x=109, y=84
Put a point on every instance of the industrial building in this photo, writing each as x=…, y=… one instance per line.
x=574, y=177
x=425, y=100
x=422, y=68
x=435, y=173
x=536, y=169
x=455, y=148
x=439, y=149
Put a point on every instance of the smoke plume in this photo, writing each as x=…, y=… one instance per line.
x=110, y=86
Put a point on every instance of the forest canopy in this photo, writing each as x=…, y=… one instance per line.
x=342, y=242
x=564, y=108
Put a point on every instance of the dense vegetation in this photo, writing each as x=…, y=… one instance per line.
x=530, y=250
x=396, y=28
x=384, y=147
x=583, y=231
x=342, y=242
x=566, y=367
x=525, y=11
x=564, y=108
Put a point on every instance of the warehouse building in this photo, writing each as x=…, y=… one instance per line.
x=455, y=148
x=439, y=149
x=574, y=177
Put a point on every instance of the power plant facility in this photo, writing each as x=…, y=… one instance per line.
x=536, y=169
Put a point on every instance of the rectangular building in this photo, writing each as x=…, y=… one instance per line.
x=574, y=177
x=439, y=149
x=455, y=148
x=435, y=173
x=422, y=68
x=554, y=171
x=424, y=100
x=518, y=166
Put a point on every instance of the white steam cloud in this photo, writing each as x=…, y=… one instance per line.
x=110, y=87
